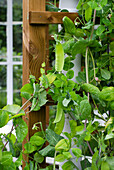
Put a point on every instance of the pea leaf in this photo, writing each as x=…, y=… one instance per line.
x=48, y=151
x=18, y=162
x=105, y=74
x=107, y=94
x=65, y=102
x=77, y=152
x=60, y=158
x=85, y=110
x=13, y=109
x=62, y=145
x=4, y=118
x=21, y=129
x=70, y=74
x=100, y=30
x=68, y=165
x=6, y=158
x=38, y=157
x=29, y=148
x=36, y=140
x=52, y=137
x=73, y=125
x=88, y=13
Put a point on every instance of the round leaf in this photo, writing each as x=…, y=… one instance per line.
x=4, y=117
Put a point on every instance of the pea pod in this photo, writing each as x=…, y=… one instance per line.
x=59, y=113
x=69, y=25
x=60, y=125
x=59, y=57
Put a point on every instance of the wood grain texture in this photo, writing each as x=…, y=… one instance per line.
x=46, y=17
x=34, y=54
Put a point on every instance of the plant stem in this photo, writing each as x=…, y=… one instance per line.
x=93, y=24
x=54, y=160
x=24, y=104
x=89, y=147
x=86, y=66
x=93, y=62
x=55, y=3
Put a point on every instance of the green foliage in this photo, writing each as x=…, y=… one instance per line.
x=93, y=90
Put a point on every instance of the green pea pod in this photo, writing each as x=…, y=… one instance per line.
x=60, y=125
x=59, y=113
x=69, y=26
x=59, y=54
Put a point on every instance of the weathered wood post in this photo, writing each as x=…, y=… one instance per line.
x=34, y=53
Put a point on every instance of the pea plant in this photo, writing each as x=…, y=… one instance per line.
x=89, y=100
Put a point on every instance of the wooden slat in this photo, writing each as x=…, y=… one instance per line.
x=34, y=54
x=50, y=17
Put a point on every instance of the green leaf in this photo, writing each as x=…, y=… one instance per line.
x=107, y=94
x=67, y=155
x=13, y=109
x=21, y=129
x=91, y=89
x=68, y=165
x=27, y=167
x=81, y=78
x=28, y=88
x=105, y=74
x=4, y=118
x=43, y=64
x=104, y=165
x=11, y=146
x=11, y=167
x=82, y=44
x=88, y=13
x=94, y=161
x=77, y=152
x=100, y=30
x=48, y=151
x=109, y=136
x=60, y=125
x=31, y=165
x=73, y=95
x=62, y=145
x=29, y=148
x=85, y=163
x=110, y=125
x=59, y=113
x=36, y=140
x=42, y=98
x=85, y=110
x=38, y=157
x=112, y=46
x=6, y=158
x=44, y=81
x=103, y=2
x=70, y=74
x=65, y=102
x=35, y=105
x=26, y=91
x=92, y=4
x=60, y=158
x=18, y=162
x=68, y=45
x=110, y=161
x=51, y=77
x=73, y=125
x=52, y=137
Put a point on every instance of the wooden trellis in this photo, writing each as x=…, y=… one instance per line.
x=35, y=45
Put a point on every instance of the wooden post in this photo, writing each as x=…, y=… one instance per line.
x=34, y=54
